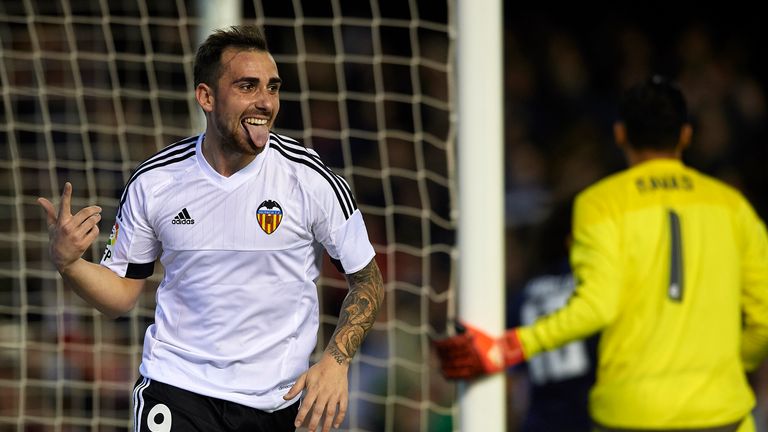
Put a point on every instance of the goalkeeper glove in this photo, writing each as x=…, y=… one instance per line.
x=474, y=353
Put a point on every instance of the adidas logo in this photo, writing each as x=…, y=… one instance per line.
x=183, y=218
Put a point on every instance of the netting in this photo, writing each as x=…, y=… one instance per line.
x=90, y=88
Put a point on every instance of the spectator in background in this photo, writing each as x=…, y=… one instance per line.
x=672, y=266
x=558, y=381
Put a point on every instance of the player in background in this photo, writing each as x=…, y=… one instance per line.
x=557, y=381
x=672, y=267
x=238, y=216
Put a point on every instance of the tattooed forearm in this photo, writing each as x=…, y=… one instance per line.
x=358, y=312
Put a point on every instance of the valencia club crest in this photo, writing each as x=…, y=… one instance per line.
x=269, y=215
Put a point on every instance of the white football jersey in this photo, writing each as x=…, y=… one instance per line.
x=237, y=311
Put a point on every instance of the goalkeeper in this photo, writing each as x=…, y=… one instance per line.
x=672, y=266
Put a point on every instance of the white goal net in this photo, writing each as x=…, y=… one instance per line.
x=90, y=88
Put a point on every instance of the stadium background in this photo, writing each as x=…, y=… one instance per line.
x=562, y=77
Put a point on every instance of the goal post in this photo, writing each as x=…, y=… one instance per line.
x=481, y=197
x=215, y=14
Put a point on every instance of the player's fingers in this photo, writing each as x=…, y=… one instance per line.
x=306, y=405
x=444, y=346
x=343, y=404
x=330, y=413
x=65, y=209
x=317, y=413
x=86, y=215
x=452, y=347
x=302, y=414
x=460, y=372
x=453, y=341
x=454, y=354
x=460, y=359
x=50, y=210
x=448, y=352
x=452, y=374
x=92, y=234
x=298, y=386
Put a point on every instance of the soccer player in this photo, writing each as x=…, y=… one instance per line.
x=238, y=216
x=672, y=266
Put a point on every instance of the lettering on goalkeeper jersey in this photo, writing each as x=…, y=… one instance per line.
x=680, y=182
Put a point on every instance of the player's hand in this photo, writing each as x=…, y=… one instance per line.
x=327, y=393
x=473, y=353
x=70, y=235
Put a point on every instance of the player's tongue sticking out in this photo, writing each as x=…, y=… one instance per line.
x=258, y=131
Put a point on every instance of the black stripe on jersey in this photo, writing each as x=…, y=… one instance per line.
x=294, y=146
x=164, y=152
x=185, y=148
x=302, y=155
x=285, y=154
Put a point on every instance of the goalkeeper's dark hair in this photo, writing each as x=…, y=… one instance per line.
x=653, y=112
x=208, y=57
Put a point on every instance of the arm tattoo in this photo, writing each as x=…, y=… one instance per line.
x=358, y=312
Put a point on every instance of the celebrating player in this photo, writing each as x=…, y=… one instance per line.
x=239, y=217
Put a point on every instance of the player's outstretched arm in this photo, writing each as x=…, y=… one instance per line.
x=474, y=353
x=69, y=237
x=326, y=382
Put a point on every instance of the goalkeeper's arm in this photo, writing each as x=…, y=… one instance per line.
x=473, y=353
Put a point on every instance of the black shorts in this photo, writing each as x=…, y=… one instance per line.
x=159, y=407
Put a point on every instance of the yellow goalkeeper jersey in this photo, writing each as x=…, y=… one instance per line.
x=672, y=266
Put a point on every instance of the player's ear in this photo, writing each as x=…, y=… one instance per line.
x=204, y=96
x=620, y=134
x=686, y=132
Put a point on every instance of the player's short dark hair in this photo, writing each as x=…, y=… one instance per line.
x=653, y=112
x=208, y=58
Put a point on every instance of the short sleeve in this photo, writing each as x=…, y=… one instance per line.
x=339, y=226
x=132, y=247
x=350, y=245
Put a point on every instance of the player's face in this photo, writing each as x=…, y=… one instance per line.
x=246, y=100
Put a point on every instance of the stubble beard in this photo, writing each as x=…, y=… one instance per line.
x=230, y=142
